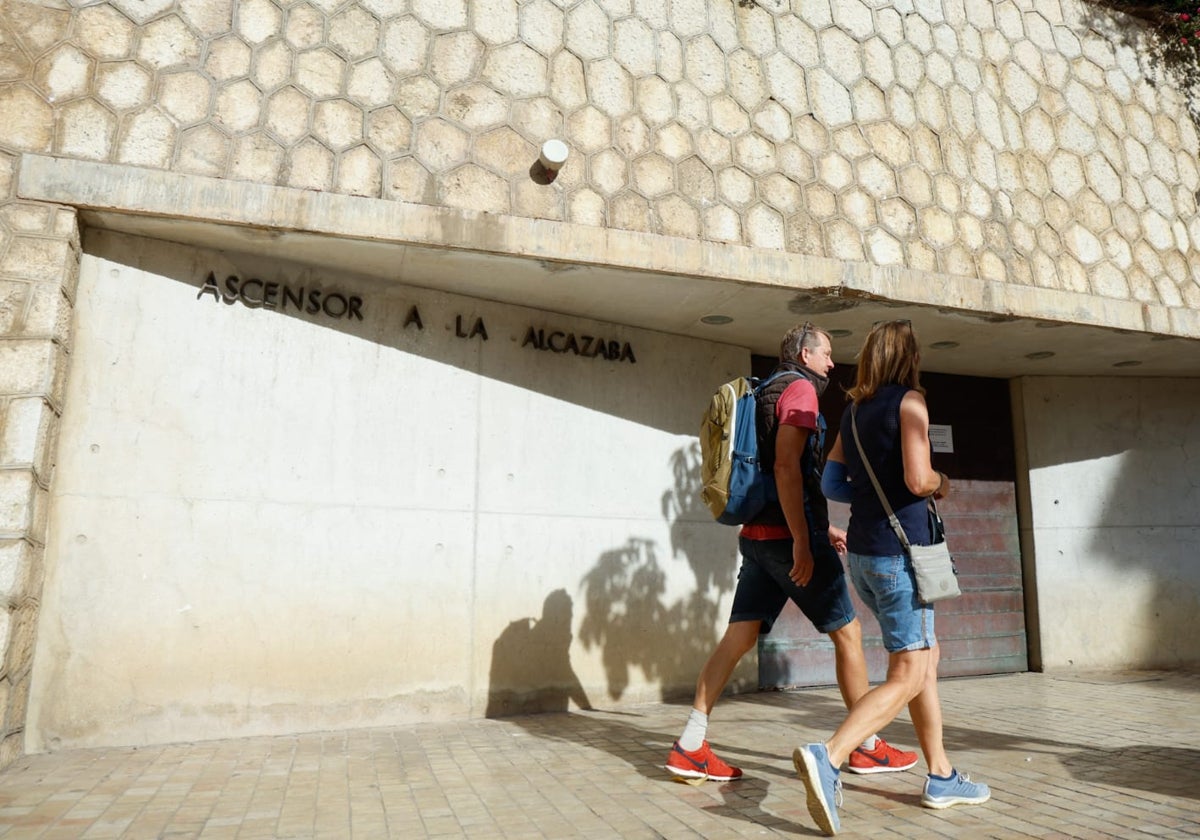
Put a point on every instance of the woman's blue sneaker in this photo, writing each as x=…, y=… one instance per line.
x=957, y=790
x=822, y=783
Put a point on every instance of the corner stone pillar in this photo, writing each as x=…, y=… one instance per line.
x=39, y=267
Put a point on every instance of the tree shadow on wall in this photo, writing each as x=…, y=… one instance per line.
x=531, y=664
x=627, y=614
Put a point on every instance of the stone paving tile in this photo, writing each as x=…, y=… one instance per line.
x=1070, y=756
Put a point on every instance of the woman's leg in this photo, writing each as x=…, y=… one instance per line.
x=926, y=711
x=879, y=706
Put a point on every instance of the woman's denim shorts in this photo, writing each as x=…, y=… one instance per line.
x=888, y=587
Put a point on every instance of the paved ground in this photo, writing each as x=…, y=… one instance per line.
x=1113, y=755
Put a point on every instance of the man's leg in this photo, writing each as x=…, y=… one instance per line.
x=739, y=637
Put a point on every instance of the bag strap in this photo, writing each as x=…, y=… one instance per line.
x=892, y=518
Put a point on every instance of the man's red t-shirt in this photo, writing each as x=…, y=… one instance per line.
x=798, y=407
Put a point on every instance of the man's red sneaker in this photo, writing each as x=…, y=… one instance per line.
x=700, y=764
x=883, y=759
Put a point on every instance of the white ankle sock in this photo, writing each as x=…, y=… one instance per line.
x=870, y=743
x=694, y=731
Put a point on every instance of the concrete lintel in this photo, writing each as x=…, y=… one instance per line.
x=136, y=191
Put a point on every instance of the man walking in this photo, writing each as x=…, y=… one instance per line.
x=788, y=551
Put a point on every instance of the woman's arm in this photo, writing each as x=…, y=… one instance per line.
x=835, y=483
x=919, y=475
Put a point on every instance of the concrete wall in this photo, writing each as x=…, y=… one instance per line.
x=265, y=522
x=1113, y=526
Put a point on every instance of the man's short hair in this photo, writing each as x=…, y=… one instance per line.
x=799, y=337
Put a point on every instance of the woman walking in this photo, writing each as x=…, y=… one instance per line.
x=888, y=408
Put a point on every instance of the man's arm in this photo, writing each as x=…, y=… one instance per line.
x=789, y=481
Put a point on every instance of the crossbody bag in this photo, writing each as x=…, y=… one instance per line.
x=937, y=579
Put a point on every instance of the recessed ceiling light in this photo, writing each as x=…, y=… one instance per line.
x=943, y=345
x=1040, y=354
x=1127, y=363
x=841, y=333
x=716, y=320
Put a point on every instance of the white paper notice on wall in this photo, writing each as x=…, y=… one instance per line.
x=941, y=438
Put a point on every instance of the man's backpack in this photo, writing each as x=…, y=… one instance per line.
x=732, y=482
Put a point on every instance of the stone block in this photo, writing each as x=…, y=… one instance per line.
x=586, y=207
x=610, y=86
x=517, y=70
x=143, y=10
x=257, y=20
x=310, y=166
x=305, y=27
x=418, y=97
x=722, y=224
x=13, y=296
x=28, y=121
x=495, y=21
x=203, y=150
x=25, y=431
x=471, y=187
x=735, y=186
x=439, y=145
x=104, y=33
x=773, y=121
x=360, y=172
x=441, y=14
x=538, y=120
x=338, y=123
x=256, y=157
x=755, y=154
x=64, y=74
x=542, y=26
x=36, y=258
x=48, y=314
x=389, y=131
x=634, y=46
x=589, y=130
x=764, y=227
x=407, y=180
x=587, y=32
x=354, y=32
x=537, y=201
x=24, y=217
x=185, y=96
x=653, y=175
x=630, y=211
x=320, y=72
x=288, y=114
x=505, y=152
x=17, y=491
x=633, y=136
x=456, y=58
x=705, y=66
x=271, y=65
x=167, y=42
x=674, y=142
x=7, y=172
x=676, y=217
x=209, y=18
x=228, y=58
x=148, y=139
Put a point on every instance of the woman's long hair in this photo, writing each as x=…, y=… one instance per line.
x=889, y=356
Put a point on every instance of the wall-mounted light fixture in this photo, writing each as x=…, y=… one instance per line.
x=553, y=155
